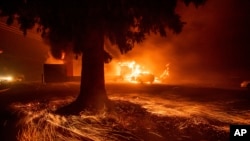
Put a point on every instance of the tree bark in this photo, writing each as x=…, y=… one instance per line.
x=92, y=88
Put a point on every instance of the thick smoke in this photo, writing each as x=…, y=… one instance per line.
x=211, y=47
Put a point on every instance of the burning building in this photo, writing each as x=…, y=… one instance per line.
x=68, y=68
x=61, y=70
x=133, y=72
x=54, y=73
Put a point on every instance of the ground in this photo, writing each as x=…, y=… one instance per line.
x=156, y=112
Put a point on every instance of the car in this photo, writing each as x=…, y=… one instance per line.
x=145, y=77
x=6, y=78
x=245, y=84
x=11, y=78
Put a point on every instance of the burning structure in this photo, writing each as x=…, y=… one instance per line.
x=133, y=72
x=60, y=70
x=54, y=73
x=68, y=68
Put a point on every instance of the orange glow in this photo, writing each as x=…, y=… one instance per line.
x=132, y=72
x=63, y=55
x=165, y=73
x=37, y=122
x=52, y=60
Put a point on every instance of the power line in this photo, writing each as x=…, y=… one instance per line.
x=14, y=29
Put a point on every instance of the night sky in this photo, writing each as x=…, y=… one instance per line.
x=215, y=38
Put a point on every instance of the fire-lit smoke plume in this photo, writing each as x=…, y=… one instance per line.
x=51, y=60
x=212, y=44
x=147, y=57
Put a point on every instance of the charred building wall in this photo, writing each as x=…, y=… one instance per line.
x=54, y=73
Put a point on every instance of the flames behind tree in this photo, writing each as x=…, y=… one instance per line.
x=133, y=72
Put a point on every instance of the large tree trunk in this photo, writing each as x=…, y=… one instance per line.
x=92, y=89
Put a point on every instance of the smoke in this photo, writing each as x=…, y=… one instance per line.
x=214, y=37
x=214, y=40
x=51, y=60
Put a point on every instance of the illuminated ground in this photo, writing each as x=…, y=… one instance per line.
x=141, y=112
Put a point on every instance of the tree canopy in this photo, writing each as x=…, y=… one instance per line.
x=124, y=22
x=82, y=25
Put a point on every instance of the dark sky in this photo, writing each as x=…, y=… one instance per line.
x=215, y=38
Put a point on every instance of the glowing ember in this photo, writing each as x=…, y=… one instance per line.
x=38, y=123
x=186, y=109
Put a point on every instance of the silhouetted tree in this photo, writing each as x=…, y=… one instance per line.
x=82, y=25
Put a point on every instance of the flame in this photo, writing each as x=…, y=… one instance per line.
x=130, y=71
x=63, y=55
x=52, y=60
x=165, y=73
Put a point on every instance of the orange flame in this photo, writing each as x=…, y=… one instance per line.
x=52, y=60
x=130, y=71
